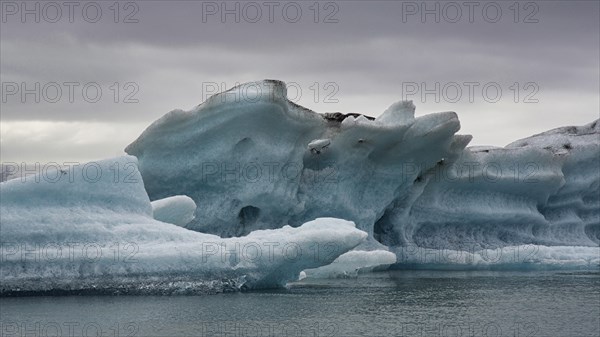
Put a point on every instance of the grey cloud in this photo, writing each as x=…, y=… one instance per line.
x=170, y=53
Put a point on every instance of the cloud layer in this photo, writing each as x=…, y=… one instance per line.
x=348, y=56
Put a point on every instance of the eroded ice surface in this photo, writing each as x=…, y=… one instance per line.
x=410, y=182
x=83, y=230
x=269, y=162
x=542, y=190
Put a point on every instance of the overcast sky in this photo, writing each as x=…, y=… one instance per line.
x=358, y=56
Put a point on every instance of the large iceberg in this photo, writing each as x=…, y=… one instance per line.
x=231, y=190
x=90, y=229
x=255, y=160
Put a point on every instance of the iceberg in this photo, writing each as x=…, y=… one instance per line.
x=90, y=230
x=352, y=263
x=267, y=162
x=260, y=161
x=178, y=210
x=542, y=190
x=254, y=191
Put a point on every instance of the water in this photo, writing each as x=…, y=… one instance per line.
x=395, y=303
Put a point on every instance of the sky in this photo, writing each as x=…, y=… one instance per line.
x=82, y=80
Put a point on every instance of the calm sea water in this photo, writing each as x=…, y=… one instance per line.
x=395, y=303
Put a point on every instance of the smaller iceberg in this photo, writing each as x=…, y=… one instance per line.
x=353, y=263
x=177, y=210
x=91, y=230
